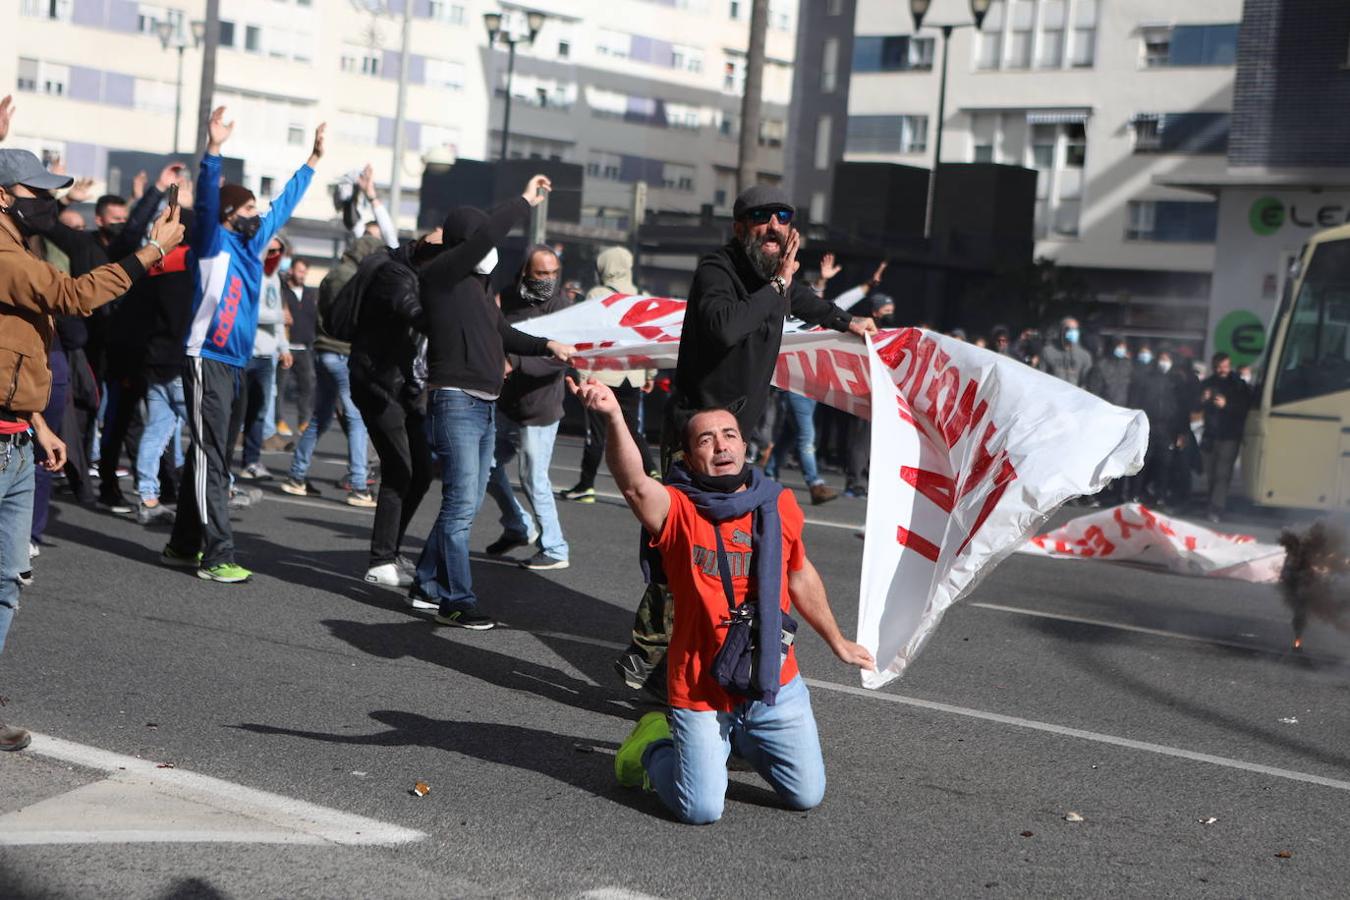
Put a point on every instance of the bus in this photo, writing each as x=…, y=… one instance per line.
x=1296, y=447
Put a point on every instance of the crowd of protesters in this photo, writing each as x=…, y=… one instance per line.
x=185, y=309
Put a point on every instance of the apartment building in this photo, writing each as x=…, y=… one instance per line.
x=633, y=90
x=1106, y=99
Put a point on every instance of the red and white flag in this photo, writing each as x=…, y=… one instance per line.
x=971, y=451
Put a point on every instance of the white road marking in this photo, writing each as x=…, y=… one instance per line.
x=272, y=817
x=615, y=893
x=1048, y=727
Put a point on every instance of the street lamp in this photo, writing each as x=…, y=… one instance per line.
x=507, y=30
x=918, y=9
x=171, y=36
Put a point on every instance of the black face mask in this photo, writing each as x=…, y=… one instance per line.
x=111, y=230
x=246, y=226
x=724, y=484
x=537, y=290
x=34, y=215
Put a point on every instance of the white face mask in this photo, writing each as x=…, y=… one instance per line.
x=1164, y=365
x=487, y=263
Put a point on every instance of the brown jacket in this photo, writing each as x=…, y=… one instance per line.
x=31, y=293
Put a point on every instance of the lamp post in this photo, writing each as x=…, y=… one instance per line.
x=507, y=30
x=918, y=9
x=171, y=36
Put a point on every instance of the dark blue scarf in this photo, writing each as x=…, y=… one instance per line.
x=760, y=498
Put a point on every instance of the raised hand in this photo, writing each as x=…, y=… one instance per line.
x=138, y=184
x=6, y=114
x=168, y=176
x=881, y=271
x=316, y=154
x=536, y=190
x=594, y=395
x=366, y=182
x=218, y=130
x=80, y=191
x=790, y=264
x=828, y=267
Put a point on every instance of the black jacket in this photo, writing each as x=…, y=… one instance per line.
x=733, y=328
x=1152, y=391
x=390, y=336
x=1110, y=380
x=533, y=393
x=468, y=338
x=1225, y=424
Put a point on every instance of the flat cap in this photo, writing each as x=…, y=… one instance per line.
x=22, y=167
x=761, y=196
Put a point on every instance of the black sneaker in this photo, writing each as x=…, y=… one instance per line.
x=505, y=544
x=467, y=618
x=541, y=562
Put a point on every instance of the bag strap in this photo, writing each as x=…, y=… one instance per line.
x=724, y=568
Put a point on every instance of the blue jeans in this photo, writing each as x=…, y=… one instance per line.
x=462, y=436
x=333, y=385
x=802, y=411
x=165, y=413
x=534, y=443
x=689, y=771
x=16, y=518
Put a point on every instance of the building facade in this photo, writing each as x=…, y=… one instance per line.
x=1100, y=97
x=634, y=90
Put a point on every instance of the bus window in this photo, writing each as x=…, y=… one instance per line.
x=1315, y=358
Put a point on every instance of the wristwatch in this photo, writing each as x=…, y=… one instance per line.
x=779, y=284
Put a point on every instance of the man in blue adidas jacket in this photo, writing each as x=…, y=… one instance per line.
x=227, y=244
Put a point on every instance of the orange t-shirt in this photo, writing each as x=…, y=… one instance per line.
x=689, y=556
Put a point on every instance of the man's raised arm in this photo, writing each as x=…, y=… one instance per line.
x=646, y=496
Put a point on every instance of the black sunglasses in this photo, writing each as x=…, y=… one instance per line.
x=761, y=216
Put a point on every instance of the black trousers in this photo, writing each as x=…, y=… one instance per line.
x=302, y=373
x=122, y=425
x=399, y=434
x=203, y=521
x=630, y=398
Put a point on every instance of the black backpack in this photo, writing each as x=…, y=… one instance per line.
x=340, y=311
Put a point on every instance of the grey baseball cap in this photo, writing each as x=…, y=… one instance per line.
x=761, y=196
x=22, y=167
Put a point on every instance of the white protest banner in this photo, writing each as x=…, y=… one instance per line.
x=1135, y=533
x=971, y=451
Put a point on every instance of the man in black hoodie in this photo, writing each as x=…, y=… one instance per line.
x=388, y=382
x=733, y=328
x=529, y=410
x=466, y=360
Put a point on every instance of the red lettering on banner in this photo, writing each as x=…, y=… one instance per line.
x=647, y=310
x=823, y=378
x=1097, y=543
x=613, y=299
x=948, y=382
x=1006, y=475
x=900, y=345
x=1128, y=528
x=924, y=547
x=984, y=461
x=1190, y=542
x=966, y=415
x=906, y=414
x=855, y=368
x=933, y=485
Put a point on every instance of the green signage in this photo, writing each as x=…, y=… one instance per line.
x=1241, y=335
x=1266, y=215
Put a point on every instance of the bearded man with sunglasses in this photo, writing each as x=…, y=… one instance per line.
x=733, y=328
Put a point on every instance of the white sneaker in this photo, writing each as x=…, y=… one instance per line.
x=421, y=603
x=389, y=575
x=34, y=551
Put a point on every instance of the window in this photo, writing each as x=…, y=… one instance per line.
x=1203, y=45
x=1197, y=133
x=445, y=74
x=266, y=184
x=43, y=78
x=252, y=39
x=690, y=59
x=984, y=153
x=1083, y=52
x=358, y=128
x=817, y=208
x=1315, y=359
x=833, y=8
x=1051, y=53
x=823, y=126
x=1019, y=38
x=450, y=13
x=359, y=60
x=677, y=177
x=613, y=43
x=984, y=129
x=738, y=9
x=1075, y=145
x=680, y=115
x=897, y=53
x=780, y=14
x=772, y=132
x=1058, y=151
x=887, y=134
x=149, y=15
x=154, y=96
x=1170, y=221
x=226, y=33
x=58, y=10
x=829, y=65
x=564, y=50
x=989, y=51
x=601, y=164
x=733, y=75
x=295, y=135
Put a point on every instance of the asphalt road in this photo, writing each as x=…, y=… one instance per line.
x=1144, y=702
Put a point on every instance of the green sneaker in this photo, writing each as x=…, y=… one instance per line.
x=225, y=573
x=172, y=557
x=628, y=761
